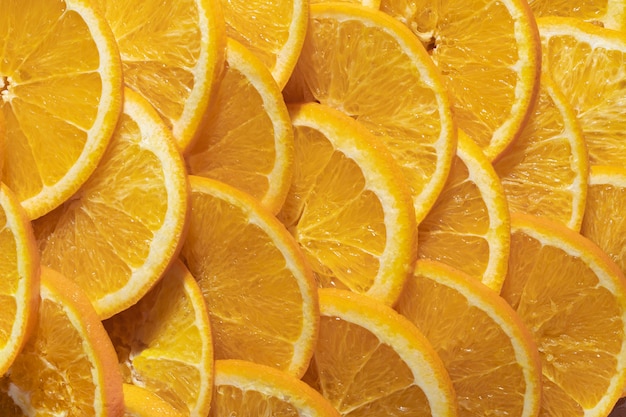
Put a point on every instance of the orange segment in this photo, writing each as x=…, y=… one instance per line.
x=544, y=172
x=490, y=355
x=141, y=402
x=608, y=13
x=247, y=388
x=488, y=53
x=587, y=64
x=164, y=342
x=129, y=217
x=384, y=78
x=348, y=207
x=572, y=298
x=468, y=227
x=247, y=140
x=172, y=52
x=19, y=268
x=68, y=365
x=370, y=360
x=59, y=68
x=260, y=292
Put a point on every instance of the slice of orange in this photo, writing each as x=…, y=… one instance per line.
x=587, y=63
x=544, y=172
x=370, y=360
x=59, y=68
x=141, y=402
x=164, y=342
x=370, y=3
x=68, y=366
x=247, y=140
x=274, y=31
x=489, y=56
x=116, y=236
x=608, y=13
x=488, y=352
x=260, y=292
x=19, y=268
x=572, y=298
x=172, y=52
x=468, y=227
x=247, y=388
x=348, y=207
x=384, y=78
x=604, y=223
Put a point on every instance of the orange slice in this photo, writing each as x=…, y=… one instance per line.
x=544, y=172
x=68, y=366
x=348, y=207
x=129, y=217
x=370, y=360
x=59, y=68
x=19, y=291
x=608, y=13
x=489, y=56
x=370, y=3
x=141, y=402
x=587, y=64
x=489, y=354
x=164, y=343
x=247, y=388
x=247, y=140
x=172, y=52
x=274, y=31
x=572, y=298
x=384, y=78
x=260, y=292
x=468, y=227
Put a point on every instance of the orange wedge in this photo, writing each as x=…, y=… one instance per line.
x=370, y=360
x=172, y=52
x=608, y=13
x=587, y=64
x=490, y=355
x=572, y=298
x=19, y=289
x=68, y=366
x=260, y=292
x=247, y=388
x=274, y=31
x=164, y=342
x=468, y=227
x=489, y=56
x=544, y=172
x=141, y=402
x=348, y=207
x=247, y=140
x=384, y=78
x=129, y=217
x=59, y=68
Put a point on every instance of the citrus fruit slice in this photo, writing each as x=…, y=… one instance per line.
x=604, y=223
x=141, y=402
x=274, y=31
x=129, y=216
x=384, y=78
x=544, y=171
x=468, y=227
x=348, y=207
x=370, y=3
x=489, y=56
x=59, y=68
x=489, y=354
x=572, y=298
x=608, y=13
x=248, y=388
x=68, y=366
x=172, y=52
x=163, y=342
x=370, y=360
x=19, y=287
x=247, y=140
x=260, y=292
x=586, y=63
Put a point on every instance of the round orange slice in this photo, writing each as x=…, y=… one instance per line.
x=141, y=402
x=608, y=13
